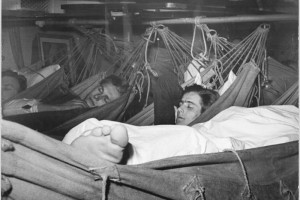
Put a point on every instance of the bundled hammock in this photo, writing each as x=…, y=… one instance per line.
x=290, y=97
x=278, y=80
x=35, y=166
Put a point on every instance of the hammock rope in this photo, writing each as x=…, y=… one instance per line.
x=82, y=60
x=249, y=194
x=228, y=57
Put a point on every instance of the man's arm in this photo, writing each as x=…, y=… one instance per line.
x=66, y=106
x=24, y=106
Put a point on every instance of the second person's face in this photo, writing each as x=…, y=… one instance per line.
x=9, y=88
x=189, y=108
x=103, y=94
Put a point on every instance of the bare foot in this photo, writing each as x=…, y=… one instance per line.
x=105, y=142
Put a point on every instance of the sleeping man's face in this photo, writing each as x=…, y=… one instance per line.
x=189, y=108
x=10, y=87
x=103, y=94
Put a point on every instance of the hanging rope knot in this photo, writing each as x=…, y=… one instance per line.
x=246, y=194
x=200, y=192
x=102, y=173
x=194, y=190
x=104, y=183
x=139, y=84
x=160, y=27
x=198, y=20
x=148, y=67
x=203, y=58
x=212, y=35
x=153, y=23
x=264, y=28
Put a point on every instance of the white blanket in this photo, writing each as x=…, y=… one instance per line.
x=234, y=128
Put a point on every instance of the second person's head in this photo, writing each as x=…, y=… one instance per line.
x=109, y=89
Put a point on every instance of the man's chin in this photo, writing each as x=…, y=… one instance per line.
x=180, y=122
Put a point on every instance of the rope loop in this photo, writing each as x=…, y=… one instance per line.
x=139, y=84
x=264, y=28
x=247, y=190
x=201, y=193
x=198, y=20
x=153, y=72
x=104, y=183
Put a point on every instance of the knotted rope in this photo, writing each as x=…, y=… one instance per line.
x=249, y=194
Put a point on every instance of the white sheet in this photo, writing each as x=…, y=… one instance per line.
x=234, y=128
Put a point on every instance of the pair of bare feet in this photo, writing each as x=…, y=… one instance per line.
x=105, y=142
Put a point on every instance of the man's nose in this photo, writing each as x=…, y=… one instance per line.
x=180, y=109
x=98, y=97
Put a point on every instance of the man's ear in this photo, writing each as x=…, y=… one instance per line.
x=175, y=110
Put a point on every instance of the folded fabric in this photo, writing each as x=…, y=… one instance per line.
x=243, y=128
x=234, y=128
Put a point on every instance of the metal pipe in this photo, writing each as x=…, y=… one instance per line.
x=70, y=22
x=197, y=20
x=233, y=19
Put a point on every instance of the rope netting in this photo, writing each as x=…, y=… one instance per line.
x=136, y=66
x=214, y=58
x=137, y=60
x=91, y=53
x=220, y=57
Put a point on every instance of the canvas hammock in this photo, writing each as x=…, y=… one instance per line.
x=35, y=166
x=81, y=61
x=111, y=111
x=222, y=56
x=236, y=95
x=227, y=57
x=57, y=123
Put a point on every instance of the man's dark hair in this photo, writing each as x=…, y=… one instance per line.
x=208, y=96
x=20, y=78
x=121, y=85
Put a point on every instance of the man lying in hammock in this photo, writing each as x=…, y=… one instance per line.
x=109, y=89
x=12, y=84
x=234, y=128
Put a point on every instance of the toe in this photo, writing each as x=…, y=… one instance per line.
x=97, y=132
x=119, y=136
x=106, y=130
